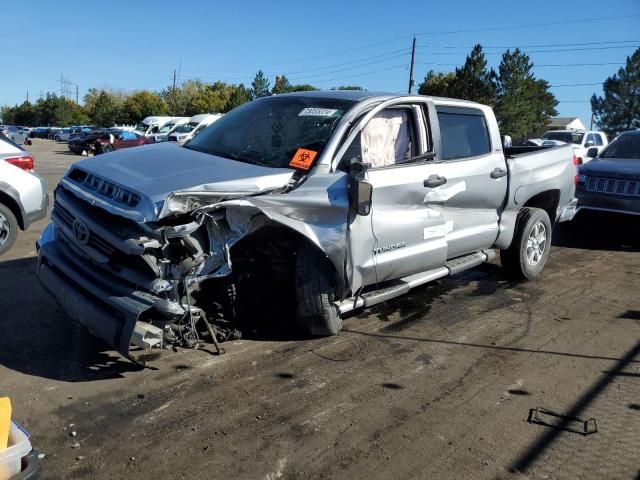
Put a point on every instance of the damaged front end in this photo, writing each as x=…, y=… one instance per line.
x=170, y=279
x=139, y=282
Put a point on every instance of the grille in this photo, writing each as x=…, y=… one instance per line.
x=94, y=241
x=105, y=188
x=613, y=186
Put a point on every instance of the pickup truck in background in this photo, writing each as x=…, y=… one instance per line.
x=581, y=140
x=316, y=203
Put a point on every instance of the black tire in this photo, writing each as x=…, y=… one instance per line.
x=315, y=291
x=523, y=260
x=8, y=229
x=107, y=148
x=57, y=138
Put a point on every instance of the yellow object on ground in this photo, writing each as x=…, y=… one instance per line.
x=5, y=421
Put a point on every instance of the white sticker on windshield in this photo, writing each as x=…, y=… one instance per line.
x=317, y=112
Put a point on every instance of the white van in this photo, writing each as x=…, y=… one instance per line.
x=163, y=131
x=182, y=133
x=150, y=125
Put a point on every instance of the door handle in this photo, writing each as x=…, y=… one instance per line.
x=434, y=181
x=498, y=173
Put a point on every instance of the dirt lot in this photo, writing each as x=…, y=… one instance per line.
x=437, y=384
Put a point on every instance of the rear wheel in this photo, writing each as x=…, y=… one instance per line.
x=8, y=228
x=107, y=148
x=57, y=138
x=315, y=290
x=529, y=250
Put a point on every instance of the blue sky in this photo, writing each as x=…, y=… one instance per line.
x=132, y=45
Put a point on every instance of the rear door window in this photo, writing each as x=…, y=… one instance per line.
x=599, y=142
x=463, y=133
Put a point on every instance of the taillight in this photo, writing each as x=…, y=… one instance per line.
x=577, y=160
x=24, y=162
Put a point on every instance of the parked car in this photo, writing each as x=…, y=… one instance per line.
x=580, y=140
x=14, y=134
x=62, y=135
x=366, y=197
x=23, y=197
x=610, y=182
x=533, y=142
x=86, y=143
x=164, y=130
x=40, y=132
x=26, y=131
x=185, y=132
x=122, y=139
x=80, y=131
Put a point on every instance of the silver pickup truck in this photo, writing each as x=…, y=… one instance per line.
x=316, y=203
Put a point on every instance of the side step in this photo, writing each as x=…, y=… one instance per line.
x=403, y=285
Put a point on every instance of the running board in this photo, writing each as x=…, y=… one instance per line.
x=403, y=285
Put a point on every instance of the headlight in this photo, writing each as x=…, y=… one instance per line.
x=179, y=204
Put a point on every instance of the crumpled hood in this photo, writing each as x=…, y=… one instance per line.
x=156, y=171
x=612, y=167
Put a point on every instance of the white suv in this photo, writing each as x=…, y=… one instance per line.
x=23, y=196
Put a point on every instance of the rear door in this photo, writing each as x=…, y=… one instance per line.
x=470, y=160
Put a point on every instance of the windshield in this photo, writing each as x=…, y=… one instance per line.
x=625, y=146
x=141, y=127
x=567, y=137
x=166, y=128
x=185, y=127
x=270, y=131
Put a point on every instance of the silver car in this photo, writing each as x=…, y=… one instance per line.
x=23, y=197
x=14, y=134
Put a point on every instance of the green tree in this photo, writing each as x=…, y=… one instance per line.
x=524, y=104
x=59, y=111
x=141, y=104
x=302, y=87
x=239, y=95
x=102, y=108
x=437, y=84
x=619, y=109
x=259, y=86
x=347, y=87
x=474, y=80
x=282, y=85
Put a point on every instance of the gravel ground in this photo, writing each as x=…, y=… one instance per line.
x=436, y=384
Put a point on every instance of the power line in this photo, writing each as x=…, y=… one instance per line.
x=405, y=65
x=576, y=84
x=530, y=25
x=610, y=47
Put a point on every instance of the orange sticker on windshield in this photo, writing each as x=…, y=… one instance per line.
x=303, y=159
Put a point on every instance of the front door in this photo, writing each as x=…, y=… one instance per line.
x=402, y=234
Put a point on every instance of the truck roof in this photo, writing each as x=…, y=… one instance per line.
x=358, y=95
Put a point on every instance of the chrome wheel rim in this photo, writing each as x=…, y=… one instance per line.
x=5, y=230
x=536, y=244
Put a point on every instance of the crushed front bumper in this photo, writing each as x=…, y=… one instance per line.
x=108, y=309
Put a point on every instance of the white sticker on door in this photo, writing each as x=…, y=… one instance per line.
x=439, y=230
x=444, y=193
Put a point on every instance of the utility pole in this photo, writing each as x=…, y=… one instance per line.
x=413, y=57
x=77, y=94
x=173, y=93
x=27, y=96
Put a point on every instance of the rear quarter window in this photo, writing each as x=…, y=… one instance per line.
x=463, y=133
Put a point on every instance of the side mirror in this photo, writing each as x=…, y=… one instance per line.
x=361, y=190
x=592, y=152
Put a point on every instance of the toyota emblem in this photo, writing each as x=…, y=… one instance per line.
x=80, y=232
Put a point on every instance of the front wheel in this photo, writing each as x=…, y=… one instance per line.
x=315, y=290
x=107, y=148
x=8, y=228
x=57, y=138
x=529, y=250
